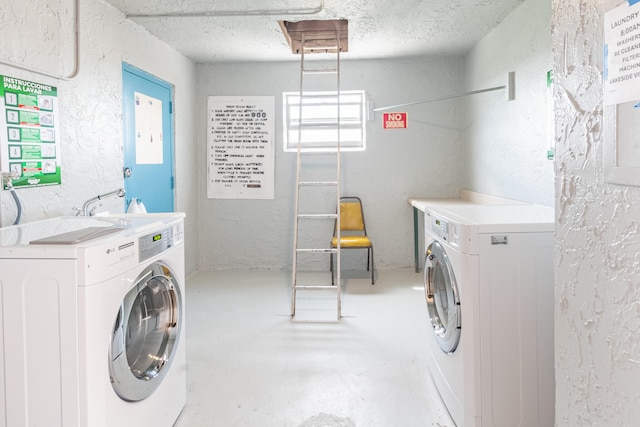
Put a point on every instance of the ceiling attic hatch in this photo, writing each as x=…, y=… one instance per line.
x=320, y=36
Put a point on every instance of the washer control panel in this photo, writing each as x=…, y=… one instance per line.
x=155, y=243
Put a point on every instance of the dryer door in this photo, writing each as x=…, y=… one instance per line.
x=145, y=333
x=443, y=300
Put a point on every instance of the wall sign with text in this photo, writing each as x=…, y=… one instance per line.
x=240, y=134
x=622, y=54
x=394, y=120
x=621, y=124
x=29, y=132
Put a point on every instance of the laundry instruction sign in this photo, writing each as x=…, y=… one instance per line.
x=622, y=54
x=29, y=132
x=394, y=120
x=240, y=147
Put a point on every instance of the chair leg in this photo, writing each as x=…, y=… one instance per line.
x=372, y=269
x=368, y=257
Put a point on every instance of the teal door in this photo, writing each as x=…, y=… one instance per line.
x=148, y=140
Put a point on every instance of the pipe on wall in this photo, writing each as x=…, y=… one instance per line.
x=222, y=13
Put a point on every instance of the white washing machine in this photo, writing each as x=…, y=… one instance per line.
x=92, y=326
x=489, y=287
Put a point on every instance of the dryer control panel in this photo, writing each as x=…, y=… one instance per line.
x=440, y=227
x=445, y=230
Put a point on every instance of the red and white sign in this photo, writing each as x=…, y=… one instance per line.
x=394, y=120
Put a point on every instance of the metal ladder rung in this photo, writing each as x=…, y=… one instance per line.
x=317, y=216
x=316, y=183
x=318, y=250
x=320, y=126
x=318, y=151
x=320, y=71
x=317, y=287
x=328, y=42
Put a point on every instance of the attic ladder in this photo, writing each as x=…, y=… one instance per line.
x=304, y=150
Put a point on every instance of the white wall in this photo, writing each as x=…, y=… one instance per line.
x=506, y=142
x=397, y=164
x=91, y=104
x=597, y=258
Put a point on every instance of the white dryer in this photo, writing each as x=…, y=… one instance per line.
x=92, y=326
x=489, y=288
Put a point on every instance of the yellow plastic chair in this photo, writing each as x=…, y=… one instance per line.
x=353, y=231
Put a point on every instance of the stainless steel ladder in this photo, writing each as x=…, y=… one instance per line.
x=303, y=152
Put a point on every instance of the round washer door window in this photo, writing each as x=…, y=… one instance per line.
x=145, y=333
x=443, y=301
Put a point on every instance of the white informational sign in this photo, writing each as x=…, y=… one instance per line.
x=622, y=54
x=240, y=147
x=622, y=94
x=148, y=122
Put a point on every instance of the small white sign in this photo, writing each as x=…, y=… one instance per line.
x=148, y=128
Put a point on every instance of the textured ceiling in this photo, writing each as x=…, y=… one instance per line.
x=248, y=30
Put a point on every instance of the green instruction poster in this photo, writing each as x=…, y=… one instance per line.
x=29, y=132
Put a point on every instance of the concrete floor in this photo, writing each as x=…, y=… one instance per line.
x=250, y=364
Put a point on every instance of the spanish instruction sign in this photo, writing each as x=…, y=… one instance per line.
x=240, y=147
x=622, y=54
x=29, y=132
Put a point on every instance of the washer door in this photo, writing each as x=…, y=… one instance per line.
x=145, y=333
x=443, y=301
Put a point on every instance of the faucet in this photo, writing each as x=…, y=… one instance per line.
x=85, y=208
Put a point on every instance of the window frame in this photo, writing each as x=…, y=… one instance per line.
x=352, y=120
